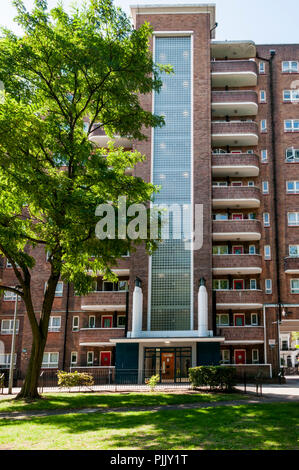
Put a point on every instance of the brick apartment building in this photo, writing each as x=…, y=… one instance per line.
x=230, y=143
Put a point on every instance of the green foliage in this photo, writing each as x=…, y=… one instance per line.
x=74, y=379
x=214, y=377
x=153, y=381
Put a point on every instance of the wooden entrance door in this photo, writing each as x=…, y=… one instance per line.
x=167, y=364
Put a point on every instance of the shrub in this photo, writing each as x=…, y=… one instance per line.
x=153, y=381
x=74, y=379
x=214, y=377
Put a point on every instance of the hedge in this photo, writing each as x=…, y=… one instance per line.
x=74, y=379
x=215, y=377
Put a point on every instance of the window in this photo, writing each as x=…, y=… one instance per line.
x=50, y=360
x=294, y=250
x=268, y=286
x=9, y=296
x=252, y=250
x=292, y=155
x=75, y=325
x=291, y=125
x=291, y=96
x=292, y=187
x=220, y=284
x=293, y=219
x=294, y=286
x=115, y=286
x=218, y=151
x=264, y=125
x=266, y=219
x=222, y=319
x=267, y=251
x=262, y=96
x=255, y=356
x=74, y=358
x=58, y=290
x=250, y=152
x=254, y=319
x=91, y=321
x=220, y=184
x=7, y=327
x=264, y=156
x=290, y=66
x=121, y=321
x=251, y=183
x=251, y=216
x=90, y=356
x=8, y=264
x=220, y=250
x=225, y=356
x=221, y=216
x=253, y=284
x=262, y=67
x=54, y=324
x=265, y=187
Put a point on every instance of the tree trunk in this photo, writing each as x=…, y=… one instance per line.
x=30, y=387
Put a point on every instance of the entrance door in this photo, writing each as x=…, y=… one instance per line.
x=237, y=216
x=105, y=358
x=167, y=364
x=240, y=356
x=238, y=250
x=238, y=284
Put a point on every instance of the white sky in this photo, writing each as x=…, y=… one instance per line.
x=263, y=21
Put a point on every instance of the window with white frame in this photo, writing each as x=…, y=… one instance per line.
x=253, y=284
x=108, y=286
x=58, y=290
x=266, y=219
x=264, y=125
x=225, y=356
x=7, y=327
x=50, y=360
x=75, y=324
x=292, y=155
x=90, y=358
x=54, y=324
x=74, y=358
x=294, y=251
x=9, y=296
x=290, y=66
x=221, y=184
x=220, y=250
x=254, y=319
x=265, y=187
x=91, y=321
x=8, y=264
x=267, y=252
x=291, y=96
x=222, y=216
x=293, y=219
x=222, y=319
x=292, y=187
x=294, y=286
x=262, y=68
x=255, y=356
x=250, y=152
x=252, y=250
x=264, y=156
x=262, y=96
x=5, y=361
x=291, y=125
x=220, y=284
x=250, y=184
x=268, y=286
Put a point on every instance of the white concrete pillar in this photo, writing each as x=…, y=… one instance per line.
x=137, y=310
x=202, y=310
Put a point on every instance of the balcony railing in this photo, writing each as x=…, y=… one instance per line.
x=234, y=133
x=235, y=299
x=95, y=336
x=237, y=264
x=104, y=301
x=238, y=333
x=291, y=265
x=228, y=164
x=236, y=197
x=234, y=103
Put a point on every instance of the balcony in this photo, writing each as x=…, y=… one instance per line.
x=104, y=301
x=242, y=333
x=239, y=299
x=234, y=73
x=99, y=336
x=236, y=230
x=234, y=103
x=100, y=139
x=291, y=265
x=235, y=197
x=233, y=49
x=234, y=133
x=229, y=164
x=237, y=264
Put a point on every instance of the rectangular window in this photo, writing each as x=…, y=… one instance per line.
x=54, y=324
x=254, y=319
x=220, y=284
x=294, y=286
x=291, y=125
x=267, y=252
x=264, y=125
x=294, y=251
x=264, y=156
x=220, y=250
x=7, y=327
x=255, y=356
x=50, y=360
x=9, y=296
x=251, y=183
x=262, y=67
x=115, y=286
x=253, y=284
x=220, y=216
x=121, y=321
x=291, y=96
x=90, y=357
x=91, y=321
x=222, y=320
x=268, y=286
x=251, y=216
x=58, y=290
x=252, y=250
x=266, y=219
x=290, y=66
x=292, y=155
x=74, y=358
x=225, y=356
x=262, y=96
x=75, y=325
x=292, y=187
x=293, y=219
x=221, y=184
x=265, y=186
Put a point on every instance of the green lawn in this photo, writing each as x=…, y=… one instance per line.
x=112, y=400
x=263, y=427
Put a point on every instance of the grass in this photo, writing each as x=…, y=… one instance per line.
x=112, y=400
x=245, y=427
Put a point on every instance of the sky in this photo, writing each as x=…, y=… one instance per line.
x=263, y=21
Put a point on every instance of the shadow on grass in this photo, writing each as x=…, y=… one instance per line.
x=270, y=426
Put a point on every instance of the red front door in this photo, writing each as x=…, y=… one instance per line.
x=238, y=284
x=106, y=322
x=238, y=250
x=105, y=358
x=237, y=216
x=240, y=356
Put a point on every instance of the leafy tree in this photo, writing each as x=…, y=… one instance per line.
x=66, y=68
